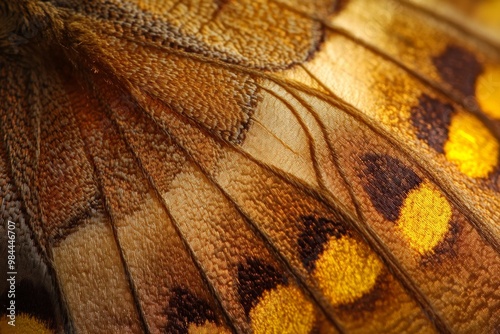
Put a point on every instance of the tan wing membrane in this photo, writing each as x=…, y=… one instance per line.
x=161, y=269
x=93, y=279
x=267, y=166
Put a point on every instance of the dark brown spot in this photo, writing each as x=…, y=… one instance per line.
x=184, y=308
x=432, y=119
x=255, y=277
x=388, y=182
x=312, y=241
x=459, y=68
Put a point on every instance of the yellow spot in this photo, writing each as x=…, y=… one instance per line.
x=425, y=217
x=346, y=270
x=25, y=324
x=282, y=310
x=488, y=91
x=471, y=146
x=207, y=328
x=488, y=12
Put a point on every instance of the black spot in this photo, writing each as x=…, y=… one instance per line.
x=184, y=308
x=255, y=277
x=388, y=183
x=314, y=237
x=33, y=300
x=459, y=68
x=432, y=119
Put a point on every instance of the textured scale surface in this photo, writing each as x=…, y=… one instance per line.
x=266, y=166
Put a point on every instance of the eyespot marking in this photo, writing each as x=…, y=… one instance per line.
x=273, y=305
x=388, y=182
x=471, y=146
x=313, y=239
x=344, y=268
x=185, y=309
x=462, y=137
x=255, y=277
x=423, y=212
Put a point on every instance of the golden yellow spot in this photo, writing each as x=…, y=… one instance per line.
x=283, y=310
x=488, y=12
x=488, y=91
x=471, y=146
x=25, y=324
x=207, y=328
x=425, y=217
x=346, y=270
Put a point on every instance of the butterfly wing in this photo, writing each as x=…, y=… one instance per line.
x=251, y=167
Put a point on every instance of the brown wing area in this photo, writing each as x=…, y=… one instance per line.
x=165, y=281
x=83, y=265
x=251, y=33
x=20, y=128
x=29, y=279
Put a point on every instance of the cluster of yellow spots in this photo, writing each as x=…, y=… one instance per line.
x=25, y=324
x=424, y=218
x=283, y=309
x=471, y=146
x=346, y=270
x=488, y=90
